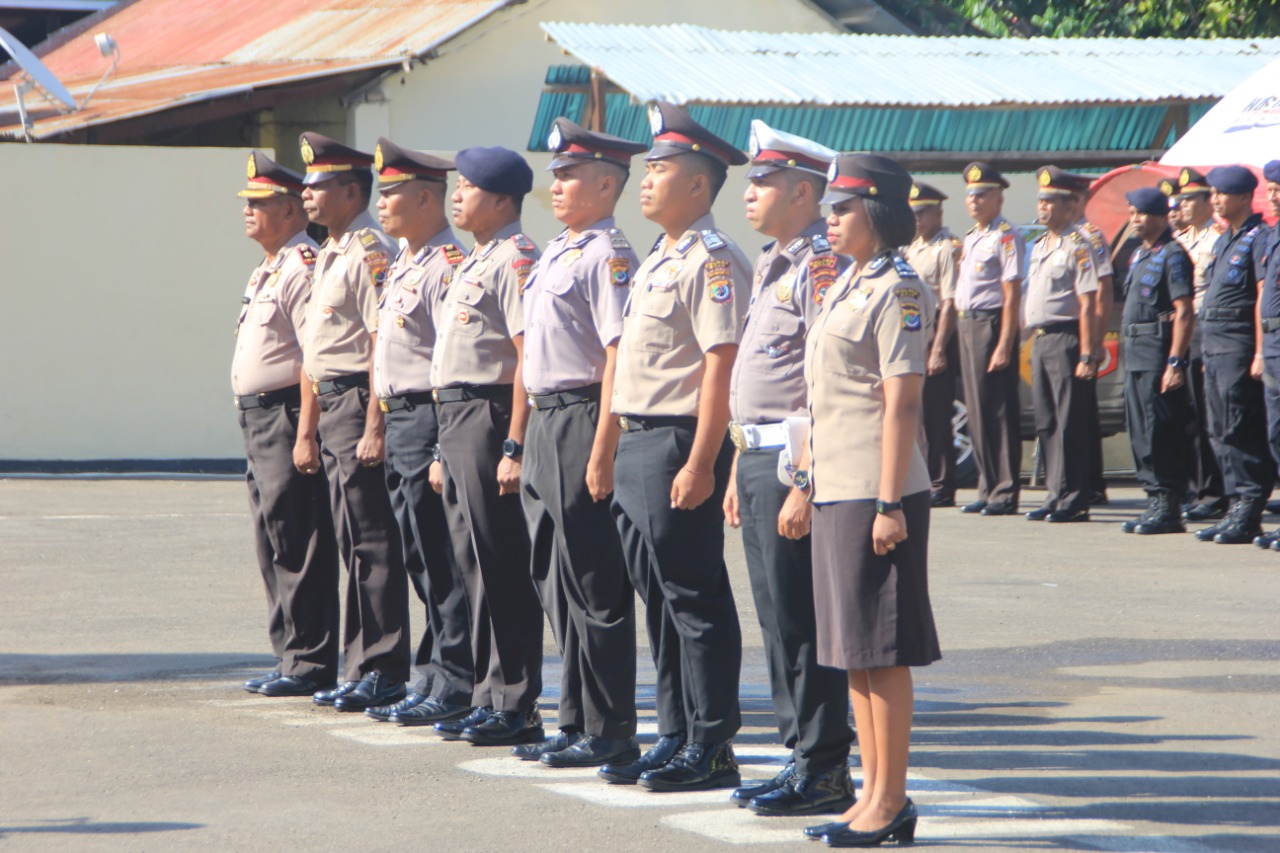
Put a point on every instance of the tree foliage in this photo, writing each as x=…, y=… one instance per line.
x=1117, y=18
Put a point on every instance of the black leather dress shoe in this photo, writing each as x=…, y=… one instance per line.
x=293, y=685
x=382, y=713
x=253, y=685
x=429, y=712
x=744, y=795
x=830, y=792
x=1099, y=498
x=506, y=728
x=1040, y=513
x=626, y=773
x=328, y=697
x=593, y=751
x=453, y=729
x=816, y=833
x=374, y=689
x=1266, y=540
x=937, y=500
x=555, y=743
x=975, y=507
x=1000, y=508
x=1066, y=516
x=696, y=767
x=901, y=829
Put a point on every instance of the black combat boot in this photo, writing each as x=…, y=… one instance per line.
x=1245, y=523
x=1166, y=518
x=1213, y=530
x=1150, y=513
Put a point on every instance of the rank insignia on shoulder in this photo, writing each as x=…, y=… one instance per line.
x=820, y=245
x=687, y=243
x=523, y=243
x=619, y=272
x=452, y=254
x=911, y=320
x=619, y=240
x=712, y=240
x=377, y=264
x=796, y=246
x=368, y=239
x=307, y=254
x=1005, y=226
x=905, y=270
x=522, y=266
x=719, y=285
x=1007, y=242
x=906, y=293
x=1082, y=259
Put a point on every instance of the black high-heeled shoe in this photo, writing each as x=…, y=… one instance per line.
x=815, y=833
x=901, y=829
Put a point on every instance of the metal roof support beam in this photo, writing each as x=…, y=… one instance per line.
x=1177, y=118
x=596, y=103
x=1020, y=161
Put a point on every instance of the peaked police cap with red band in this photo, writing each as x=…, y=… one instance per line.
x=923, y=195
x=395, y=165
x=867, y=175
x=268, y=178
x=772, y=150
x=326, y=157
x=675, y=132
x=1192, y=181
x=979, y=176
x=1058, y=182
x=573, y=144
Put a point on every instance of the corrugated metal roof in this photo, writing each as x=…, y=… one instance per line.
x=684, y=63
x=179, y=52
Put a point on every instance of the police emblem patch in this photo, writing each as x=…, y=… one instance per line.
x=399, y=322
x=822, y=272
x=522, y=266
x=570, y=257
x=377, y=158
x=1082, y=259
x=253, y=167
x=377, y=264
x=464, y=316
x=783, y=291
x=554, y=139
x=308, y=153
x=655, y=119
x=619, y=272
x=859, y=298
x=974, y=175
x=911, y=320
x=719, y=286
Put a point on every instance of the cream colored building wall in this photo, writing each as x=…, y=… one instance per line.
x=123, y=270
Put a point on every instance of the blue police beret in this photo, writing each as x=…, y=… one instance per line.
x=1232, y=180
x=1271, y=171
x=1149, y=200
x=498, y=170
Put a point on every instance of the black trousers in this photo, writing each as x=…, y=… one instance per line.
x=1093, y=424
x=1203, y=471
x=376, y=627
x=491, y=546
x=811, y=702
x=442, y=663
x=580, y=574
x=1272, y=396
x=1238, y=424
x=297, y=554
x=994, y=410
x=939, y=436
x=1157, y=427
x=676, y=561
x=1062, y=419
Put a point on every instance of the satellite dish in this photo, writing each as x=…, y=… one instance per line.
x=37, y=76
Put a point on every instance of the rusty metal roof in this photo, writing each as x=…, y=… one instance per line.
x=179, y=52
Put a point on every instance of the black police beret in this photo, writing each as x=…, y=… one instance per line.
x=1271, y=171
x=1232, y=180
x=1149, y=200
x=497, y=170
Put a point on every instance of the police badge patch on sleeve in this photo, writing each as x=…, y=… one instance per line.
x=619, y=272
x=719, y=285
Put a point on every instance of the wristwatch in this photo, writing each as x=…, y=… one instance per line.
x=1086, y=358
x=800, y=479
x=1177, y=363
x=435, y=453
x=886, y=507
x=512, y=449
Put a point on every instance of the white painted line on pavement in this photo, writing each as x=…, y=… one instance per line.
x=384, y=734
x=509, y=767
x=601, y=793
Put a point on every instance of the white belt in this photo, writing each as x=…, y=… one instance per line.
x=755, y=436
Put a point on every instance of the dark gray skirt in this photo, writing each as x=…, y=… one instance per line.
x=872, y=611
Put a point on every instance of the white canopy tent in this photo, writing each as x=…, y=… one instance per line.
x=1244, y=127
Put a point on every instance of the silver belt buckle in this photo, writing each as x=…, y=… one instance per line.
x=737, y=436
x=624, y=424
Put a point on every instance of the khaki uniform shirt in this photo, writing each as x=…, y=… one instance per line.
x=268, y=353
x=573, y=307
x=689, y=296
x=875, y=325
x=1061, y=269
x=992, y=255
x=937, y=262
x=414, y=294
x=1098, y=243
x=483, y=313
x=1198, y=241
x=791, y=282
x=343, y=310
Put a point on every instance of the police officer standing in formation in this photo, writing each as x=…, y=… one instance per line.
x=1198, y=235
x=482, y=408
x=988, y=302
x=935, y=255
x=1237, y=408
x=1103, y=306
x=680, y=335
x=811, y=703
x=1060, y=312
x=289, y=506
x=340, y=332
x=573, y=318
x=412, y=188
x=1156, y=327
x=1267, y=368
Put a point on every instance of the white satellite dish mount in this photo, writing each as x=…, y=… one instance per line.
x=34, y=76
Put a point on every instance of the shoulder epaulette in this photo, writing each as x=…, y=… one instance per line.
x=905, y=270
x=712, y=240
x=768, y=246
x=452, y=254
x=307, y=254
x=619, y=240
x=368, y=239
x=1005, y=226
x=523, y=243
x=819, y=244
x=687, y=243
x=796, y=245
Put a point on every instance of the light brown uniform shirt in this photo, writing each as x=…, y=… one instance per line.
x=992, y=255
x=874, y=325
x=791, y=282
x=268, y=353
x=689, y=296
x=1101, y=251
x=343, y=310
x=1061, y=270
x=1198, y=240
x=937, y=261
x=484, y=312
x=414, y=294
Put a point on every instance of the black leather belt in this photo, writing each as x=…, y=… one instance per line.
x=405, y=401
x=560, y=399
x=1141, y=330
x=1226, y=314
x=289, y=394
x=979, y=313
x=460, y=393
x=340, y=383
x=636, y=423
x=1270, y=324
x=1054, y=328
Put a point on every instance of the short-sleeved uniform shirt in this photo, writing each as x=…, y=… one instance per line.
x=1098, y=243
x=937, y=262
x=1157, y=276
x=573, y=305
x=1198, y=240
x=343, y=311
x=1060, y=271
x=268, y=354
x=992, y=255
x=875, y=325
x=484, y=313
x=689, y=296
x=790, y=284
x=1234, y=270
x=414, y=294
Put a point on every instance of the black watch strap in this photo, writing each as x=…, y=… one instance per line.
x=886, y=507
